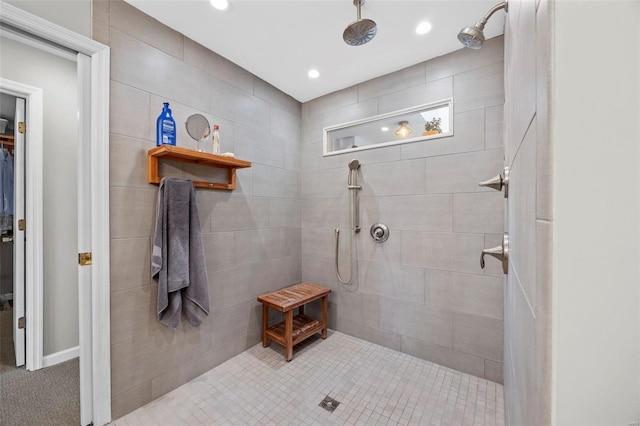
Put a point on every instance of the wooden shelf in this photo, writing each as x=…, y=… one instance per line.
x=174, y=153
x=6, y=141
x=303, y=327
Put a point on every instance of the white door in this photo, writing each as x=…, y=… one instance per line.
x=18, y=237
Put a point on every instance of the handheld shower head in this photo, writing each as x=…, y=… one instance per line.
x=354, y=164
x=360, y=31
x=473, y=37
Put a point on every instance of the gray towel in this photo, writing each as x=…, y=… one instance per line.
x=177, y=262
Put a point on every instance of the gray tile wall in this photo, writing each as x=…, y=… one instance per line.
x=252, y=236
x=422, y=291
x=530, y=220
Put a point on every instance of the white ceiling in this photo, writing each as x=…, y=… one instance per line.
x=279, y=41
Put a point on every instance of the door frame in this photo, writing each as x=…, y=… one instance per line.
x=97, y=123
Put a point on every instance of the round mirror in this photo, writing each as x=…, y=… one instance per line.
x=198, y=127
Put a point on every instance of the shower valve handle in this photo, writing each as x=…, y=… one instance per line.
x=498, y=182
x=500, y=252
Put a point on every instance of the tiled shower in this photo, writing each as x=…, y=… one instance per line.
x=422, y=292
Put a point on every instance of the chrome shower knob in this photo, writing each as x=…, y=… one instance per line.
x=379, y=232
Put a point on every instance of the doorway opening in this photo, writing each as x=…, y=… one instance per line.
x=91, y=66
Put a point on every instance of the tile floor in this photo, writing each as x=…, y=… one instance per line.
x=374, y=385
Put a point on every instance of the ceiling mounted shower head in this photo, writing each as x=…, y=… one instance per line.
x=473, y=37
x=360, y=31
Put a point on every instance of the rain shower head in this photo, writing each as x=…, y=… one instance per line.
x=360, y=31
x=473, y=37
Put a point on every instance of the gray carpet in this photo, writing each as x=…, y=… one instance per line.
x=50, y=396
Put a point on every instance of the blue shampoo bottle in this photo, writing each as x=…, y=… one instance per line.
x=166, y=127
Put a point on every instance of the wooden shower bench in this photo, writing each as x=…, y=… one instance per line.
x=293, y=330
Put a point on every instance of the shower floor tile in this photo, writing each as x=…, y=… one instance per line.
x=374, y=385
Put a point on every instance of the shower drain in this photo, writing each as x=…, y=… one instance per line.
x=329, y=404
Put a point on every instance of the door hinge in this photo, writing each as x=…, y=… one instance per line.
x=84, y=259
x=22, y=323
x=22, y=225
x=22, y=128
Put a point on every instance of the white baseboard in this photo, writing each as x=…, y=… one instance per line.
x=62, y=356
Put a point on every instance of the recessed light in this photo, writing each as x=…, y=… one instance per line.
x=385, y=129
x=220, y=4
x=313, y=73
x=423, y=28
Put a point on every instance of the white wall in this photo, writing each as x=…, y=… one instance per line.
x=596, y=106
x=57, y=78
x=74, y=15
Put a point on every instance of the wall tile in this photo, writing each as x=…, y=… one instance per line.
x=493, y=371
x=522, y=207
x=214, y=64
x=444, y=356
x=393, y=82
x=368, y=249
x=132, y=212
x=128, y=161
x=451, y=252
x=494, y=127
x=284, y=213
x=275, y=182
x=284, y=124
x=136, y=23
x=372, y=334
x=325, y=183
x=139, y=65
x=126, y=402
x=258, y=146
x=331, y=101
x=435, y=325
x=462, y=172
x=325, y=213
x=410, y=212
x=319, y=270
x=544, y=146
x=392, y=281
x=219, y=249
x=521, y=78
x=463, y=60
x=479, y=88
x=478, y=336
x=134, y=313
x=478, y=212
x=312, y=126
x=353, y=112
x=259, y=245
x=465, y=293
x=237, y=105
x=468, y=128
x=393, y=178
x=232, y=212
x=128, y=111
x=130, y=263
x=418, y=95
x=275, y=97
x=321, y=241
